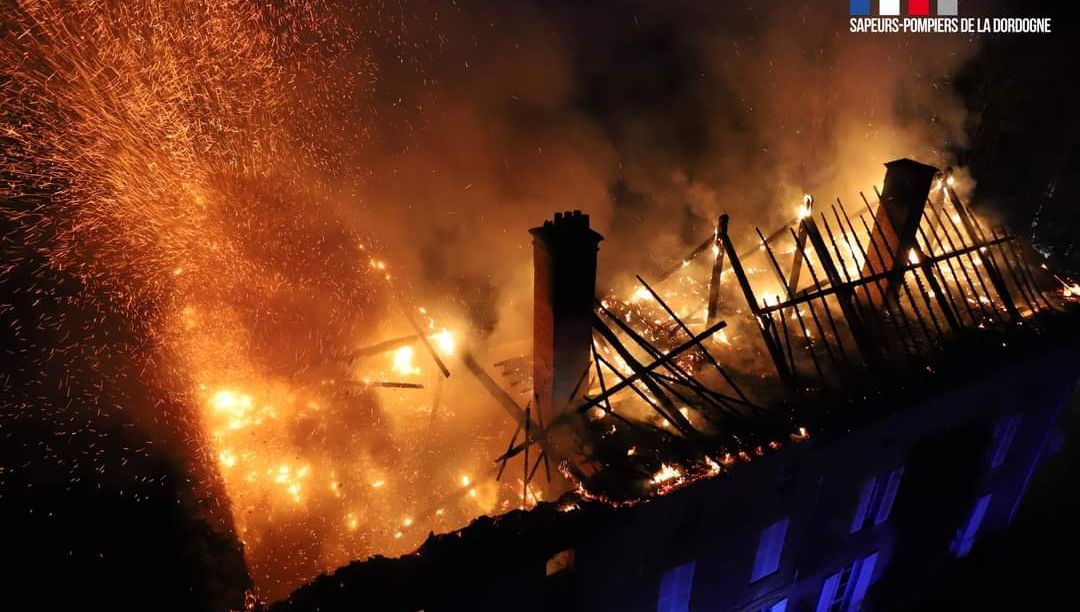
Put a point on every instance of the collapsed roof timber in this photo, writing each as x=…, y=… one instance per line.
x=631, y=398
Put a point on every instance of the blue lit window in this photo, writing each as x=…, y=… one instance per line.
x=675, y=587
x=965, y=536
x=845, y=590
x=876, y=500
x=770, y=547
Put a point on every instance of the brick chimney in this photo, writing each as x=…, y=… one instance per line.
x=907, y=185
x=564, y=288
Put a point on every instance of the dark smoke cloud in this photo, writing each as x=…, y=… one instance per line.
x=654, y=117
x=445, y=130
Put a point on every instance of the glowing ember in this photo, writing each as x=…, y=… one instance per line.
x=444, y=340
x=806, y=208
x=403, y=362
x=1069, y=289
x=186, y=142
x=722, y=337
x=667, y=474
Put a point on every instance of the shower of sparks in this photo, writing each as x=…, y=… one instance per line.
x=159, y=151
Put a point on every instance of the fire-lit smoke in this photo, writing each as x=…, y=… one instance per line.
x=777, y=99
x=264, y=191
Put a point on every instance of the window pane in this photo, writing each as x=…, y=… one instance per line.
x=965, y=536
x=828, y=593
x=675, y=587
x=863, y=508
x=770, y=547
x=889, y=496
x=862, y=582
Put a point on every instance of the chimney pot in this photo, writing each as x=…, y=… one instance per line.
x=903, y=199
x=564, y=274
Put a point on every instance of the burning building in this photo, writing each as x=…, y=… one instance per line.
x=225, y=277
x=907, y=363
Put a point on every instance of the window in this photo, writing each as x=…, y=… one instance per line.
x=876, y=499
x=845, y=590
x=779, y=606
x=675, y=587
x=770, y=547
x=1003, y=437
x=965, y=536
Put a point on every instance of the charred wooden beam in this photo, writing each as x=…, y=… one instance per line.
x=645, y=370
x=633, y=387
x=599, y=362
x=938, y=292
x=787, y=338
x=391, y=384
x=797, y=260
x=764, y=323
x=407, y=310
x=713, y=309
x=878, y=332
x=813, y=314
x=506, y=455
x=825, y=304
x=898, y=278
x=774, y=265
x=713, y=398
x=878, y=277
x=809, y=343
x=894, y=312
x=934, y=270
x=974, y=229
x=521, y=417
x=669, y=410
x=969, y=250
x=845, y=296
x=1024, y=254
x=689, y=334
x=1017, y=277
x=964, y=271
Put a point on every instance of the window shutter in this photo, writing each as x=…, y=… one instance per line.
x=828, y=592
x=865, y=498
x=770, y=547
x=889, y=496
x=862, y=582
x=965, y=536
x=675, y=587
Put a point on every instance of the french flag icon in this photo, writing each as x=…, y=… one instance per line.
x=892, y=8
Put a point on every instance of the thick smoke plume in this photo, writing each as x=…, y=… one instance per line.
x=655, y=118
x=260, y=192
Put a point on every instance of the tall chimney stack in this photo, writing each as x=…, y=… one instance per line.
x=907, y=185
x=564, y=288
